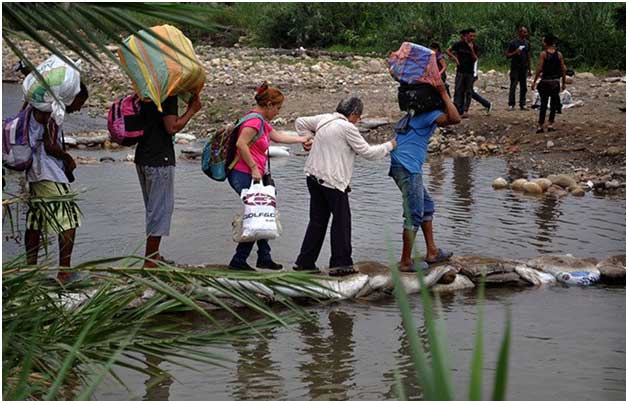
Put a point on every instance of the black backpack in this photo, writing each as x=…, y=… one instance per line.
x=420, y=98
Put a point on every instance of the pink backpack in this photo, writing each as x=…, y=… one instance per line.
x=125, y=122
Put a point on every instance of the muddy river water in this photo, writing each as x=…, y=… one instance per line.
x=567, y=343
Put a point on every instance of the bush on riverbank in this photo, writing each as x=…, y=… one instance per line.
x=591, y=35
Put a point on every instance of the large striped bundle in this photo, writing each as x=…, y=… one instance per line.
x=157, y=70
x=414, y=64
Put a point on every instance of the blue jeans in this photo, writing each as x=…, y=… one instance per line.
x=418, y=206
x=238, y=181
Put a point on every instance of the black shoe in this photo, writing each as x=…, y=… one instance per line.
x=523, y=108
x=270, y=265
x=310, y=269
x=342, y=271
x=240, y=266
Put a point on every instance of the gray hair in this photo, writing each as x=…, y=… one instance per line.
x=350, y=105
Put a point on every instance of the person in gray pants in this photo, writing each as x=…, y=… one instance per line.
x=155, y=162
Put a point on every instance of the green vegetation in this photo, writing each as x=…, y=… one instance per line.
x=57, y=347
x=591, y=34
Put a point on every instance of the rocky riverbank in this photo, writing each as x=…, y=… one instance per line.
x=590, y=143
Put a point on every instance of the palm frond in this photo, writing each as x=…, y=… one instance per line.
x=86, y=28
x=118, y=323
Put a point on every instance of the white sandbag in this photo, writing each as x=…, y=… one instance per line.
x=278, y=151
x=64, y=82
x=259, y=218
x=184, y=136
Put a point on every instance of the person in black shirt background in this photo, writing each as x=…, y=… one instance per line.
x=464, y=54
x=552, y=70
x=519, y=54
x=155, y=162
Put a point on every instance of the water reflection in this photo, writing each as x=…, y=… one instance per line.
x=257, y=375
x=463, y=182
x=329, y=373
x=436, y=175
x=158, y=384
x=547, y=214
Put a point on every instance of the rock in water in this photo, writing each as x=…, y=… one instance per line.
x=533, y=188
x=475, y=266
x=460, y=283
x=512, y=278
x=500, y=183
x=518, y=184
x=544, y=183
x=613, y=270
x=564, y=181
x=556, y=191
x=577, y=191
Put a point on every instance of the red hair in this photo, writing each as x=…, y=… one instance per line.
x=265, y=94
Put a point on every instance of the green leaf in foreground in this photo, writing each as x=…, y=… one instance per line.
x=501, y=373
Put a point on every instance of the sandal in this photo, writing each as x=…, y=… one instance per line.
x=443, y=255
x=342, y=271
x=415, y=267
x=162, y=259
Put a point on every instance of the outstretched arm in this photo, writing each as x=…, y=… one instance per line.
x=362, y=148
x=285, y=138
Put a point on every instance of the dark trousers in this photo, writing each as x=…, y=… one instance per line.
x=520, y=77
x=476, y=97
x=549, y=90
x=324, y=202
x=462, y=90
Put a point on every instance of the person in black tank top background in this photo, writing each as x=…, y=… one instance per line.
x=551, y=69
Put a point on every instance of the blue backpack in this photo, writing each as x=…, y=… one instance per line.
x=219, y=153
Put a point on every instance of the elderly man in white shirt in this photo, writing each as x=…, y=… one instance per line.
x=328, y=169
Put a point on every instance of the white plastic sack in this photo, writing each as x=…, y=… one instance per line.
x=236, y=226
x=536, y=100
x=259, y=220
x=63, y=80
x=565, y=98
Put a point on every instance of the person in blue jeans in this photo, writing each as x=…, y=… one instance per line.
x=406, y=168
x=250, y=165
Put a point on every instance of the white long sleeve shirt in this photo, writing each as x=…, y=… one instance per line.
x=336, y=143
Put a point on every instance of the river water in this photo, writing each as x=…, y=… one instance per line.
x=567, y=343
